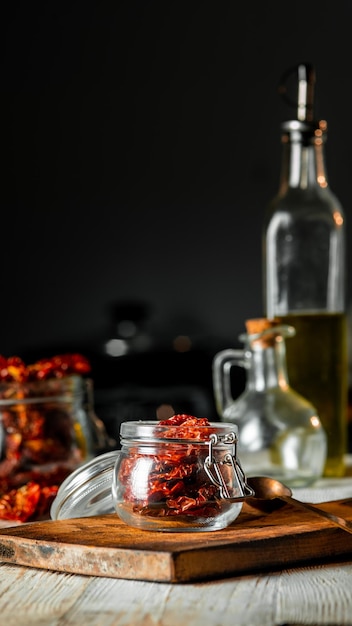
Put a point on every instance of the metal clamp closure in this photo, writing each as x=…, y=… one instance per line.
x=212, y=468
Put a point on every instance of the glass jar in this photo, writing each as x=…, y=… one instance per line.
x=163, y=478
x=169, y=480
x=45, y=430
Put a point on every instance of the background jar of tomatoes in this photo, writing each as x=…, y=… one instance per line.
x=46, y=431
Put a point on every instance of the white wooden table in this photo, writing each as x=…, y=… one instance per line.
x=316, y=595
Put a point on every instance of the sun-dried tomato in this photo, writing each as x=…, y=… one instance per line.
x=20, y=504
x=14, y=369
x=59, y=366
x=47, y=497
x=28, y=502
x=184, y=426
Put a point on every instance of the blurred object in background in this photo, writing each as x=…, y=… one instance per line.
x=129, y=329
x=48, y=429
x=144, y=363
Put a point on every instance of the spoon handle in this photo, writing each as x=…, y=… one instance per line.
x=336, y=519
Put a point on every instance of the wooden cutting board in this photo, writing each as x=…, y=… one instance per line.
x=105, y=546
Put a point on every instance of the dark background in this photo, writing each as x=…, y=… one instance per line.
x=141, y=145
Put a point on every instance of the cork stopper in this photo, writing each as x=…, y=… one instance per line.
x=261, y=327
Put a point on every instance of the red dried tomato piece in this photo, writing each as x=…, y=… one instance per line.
x=59, y=366
x=28, y=502
x=79, y=364
x=184, y=426
x=181, y=418
x=163, y=490
x=41, y=370
x=20, y=504
x=47, y=496
x=182, y=503
x=66, y=364
x=203, y=504
x=13, y=369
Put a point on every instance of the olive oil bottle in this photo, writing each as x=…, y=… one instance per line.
x=304, y=270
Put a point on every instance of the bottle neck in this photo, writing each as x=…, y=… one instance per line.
x=303, y=163
x=304, y=263
x=268, y=367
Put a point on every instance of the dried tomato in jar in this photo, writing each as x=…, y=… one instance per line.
x=179, y=474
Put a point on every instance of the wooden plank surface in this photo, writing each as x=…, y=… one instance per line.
x=318, y=595
x=106, y=546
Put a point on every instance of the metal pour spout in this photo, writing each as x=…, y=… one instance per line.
x=305, y=90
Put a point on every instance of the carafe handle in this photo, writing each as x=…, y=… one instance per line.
x=222, y=364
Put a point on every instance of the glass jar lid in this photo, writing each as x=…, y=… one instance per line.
x=197, y=433
x=87, y=491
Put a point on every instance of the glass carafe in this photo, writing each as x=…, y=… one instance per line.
x=279, y=431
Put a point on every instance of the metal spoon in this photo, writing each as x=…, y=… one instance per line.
x=267, y=488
